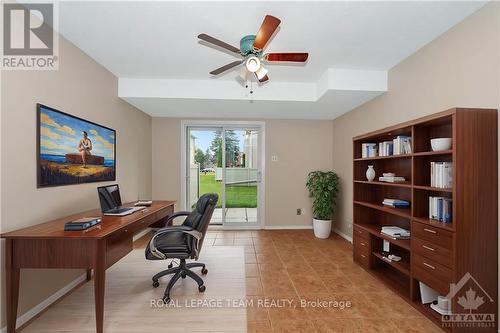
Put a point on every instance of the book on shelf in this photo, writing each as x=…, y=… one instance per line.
x=396, y=203
x=441, y=174
x=385, y=148
x=369, y=150
x=402, y=145
x=395, y=232
x=394, y=179
x=440, y=209
x=82, y=224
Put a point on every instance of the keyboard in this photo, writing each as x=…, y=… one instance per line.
x=118, y=210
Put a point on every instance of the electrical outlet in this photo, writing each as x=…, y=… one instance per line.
x=299, y=211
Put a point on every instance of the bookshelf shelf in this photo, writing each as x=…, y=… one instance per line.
x=434, y=223
x=402, y=266
x=432, y=153
x=456, y=246
x=398, y=184
x=433, y=189
x=374, y=229
x=383, y=157
x=403, y=212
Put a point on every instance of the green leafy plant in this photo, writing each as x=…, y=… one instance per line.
x=323, y=187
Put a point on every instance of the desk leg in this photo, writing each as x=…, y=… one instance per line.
x=12, y=285
x=89, y=274
x=99, y=285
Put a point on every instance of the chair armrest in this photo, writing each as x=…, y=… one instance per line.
x=176, y=214
x=174, y=228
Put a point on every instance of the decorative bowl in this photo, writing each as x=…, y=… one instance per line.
x=441, y=144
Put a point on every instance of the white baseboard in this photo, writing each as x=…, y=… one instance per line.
x=341, y=234
x=31, y=313
x=288, y=227
x=58, y=294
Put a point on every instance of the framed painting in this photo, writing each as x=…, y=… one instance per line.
x=71, y=150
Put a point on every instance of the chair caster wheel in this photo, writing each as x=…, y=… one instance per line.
x=156, y=284
x=170, y=266
x=201, y=288
x=183, y=275
x=204, y=271
x=166, y=300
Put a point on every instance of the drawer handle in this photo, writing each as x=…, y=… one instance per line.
x=363, y=256
x=431, y=231
x=430, y=266
x=360, y=232
x=428, y=248
x=363, y=244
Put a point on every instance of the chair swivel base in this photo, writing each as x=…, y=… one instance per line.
x=180, y=271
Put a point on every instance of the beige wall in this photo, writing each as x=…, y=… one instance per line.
x=83, y=88
x=460, y=68
x=301, y=146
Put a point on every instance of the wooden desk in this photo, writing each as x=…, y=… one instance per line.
x=47, y=245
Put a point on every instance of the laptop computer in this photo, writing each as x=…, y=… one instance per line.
x=111, y=202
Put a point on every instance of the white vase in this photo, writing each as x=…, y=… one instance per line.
x=322, y=228
x=370, y=173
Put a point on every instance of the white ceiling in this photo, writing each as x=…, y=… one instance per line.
x=157, y=40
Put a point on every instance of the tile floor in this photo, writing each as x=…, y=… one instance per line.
x=295, y=266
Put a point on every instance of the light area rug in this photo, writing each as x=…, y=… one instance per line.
x=133, y=305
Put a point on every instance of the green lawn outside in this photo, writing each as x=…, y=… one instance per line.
x=236, y=196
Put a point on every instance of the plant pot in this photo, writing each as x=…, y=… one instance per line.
x=322, y=228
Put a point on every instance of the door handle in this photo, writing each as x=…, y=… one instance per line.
x=428, y=248
x=430, y=266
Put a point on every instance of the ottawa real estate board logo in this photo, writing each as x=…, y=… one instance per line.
x=29, y=38
x=469, y=301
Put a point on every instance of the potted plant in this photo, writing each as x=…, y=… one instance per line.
x=323, y=187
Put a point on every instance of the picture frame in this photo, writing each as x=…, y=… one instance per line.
x=72, y=150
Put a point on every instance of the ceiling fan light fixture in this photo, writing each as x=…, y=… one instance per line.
x=253, y=64
x=261, y=72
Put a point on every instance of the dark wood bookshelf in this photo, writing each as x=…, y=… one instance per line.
x=438, y=253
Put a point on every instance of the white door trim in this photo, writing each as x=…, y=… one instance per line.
x=226, y=124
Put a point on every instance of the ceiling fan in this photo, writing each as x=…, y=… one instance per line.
x=252, y=50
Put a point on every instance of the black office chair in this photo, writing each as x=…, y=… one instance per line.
x=183, y=242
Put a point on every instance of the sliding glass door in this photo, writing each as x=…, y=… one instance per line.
x=225, y=160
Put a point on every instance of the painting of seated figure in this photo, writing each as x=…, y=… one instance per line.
x=72, y=150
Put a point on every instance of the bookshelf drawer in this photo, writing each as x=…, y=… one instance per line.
x=431, y=234
x=361, y=233
x=361, y=244
x=432, y=251
x=362, y=258
x=432, y=273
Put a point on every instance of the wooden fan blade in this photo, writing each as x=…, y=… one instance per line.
x=266, y=30
x=264, y=79
x=219, y=43
x=293, y=57
x=226, y=67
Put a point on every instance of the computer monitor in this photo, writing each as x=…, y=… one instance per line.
x=109, y=197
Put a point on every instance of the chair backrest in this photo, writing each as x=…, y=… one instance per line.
x=200, y=217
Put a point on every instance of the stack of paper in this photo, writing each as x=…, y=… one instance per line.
x=395, y=232
x=395, y=179
x=396, y=203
